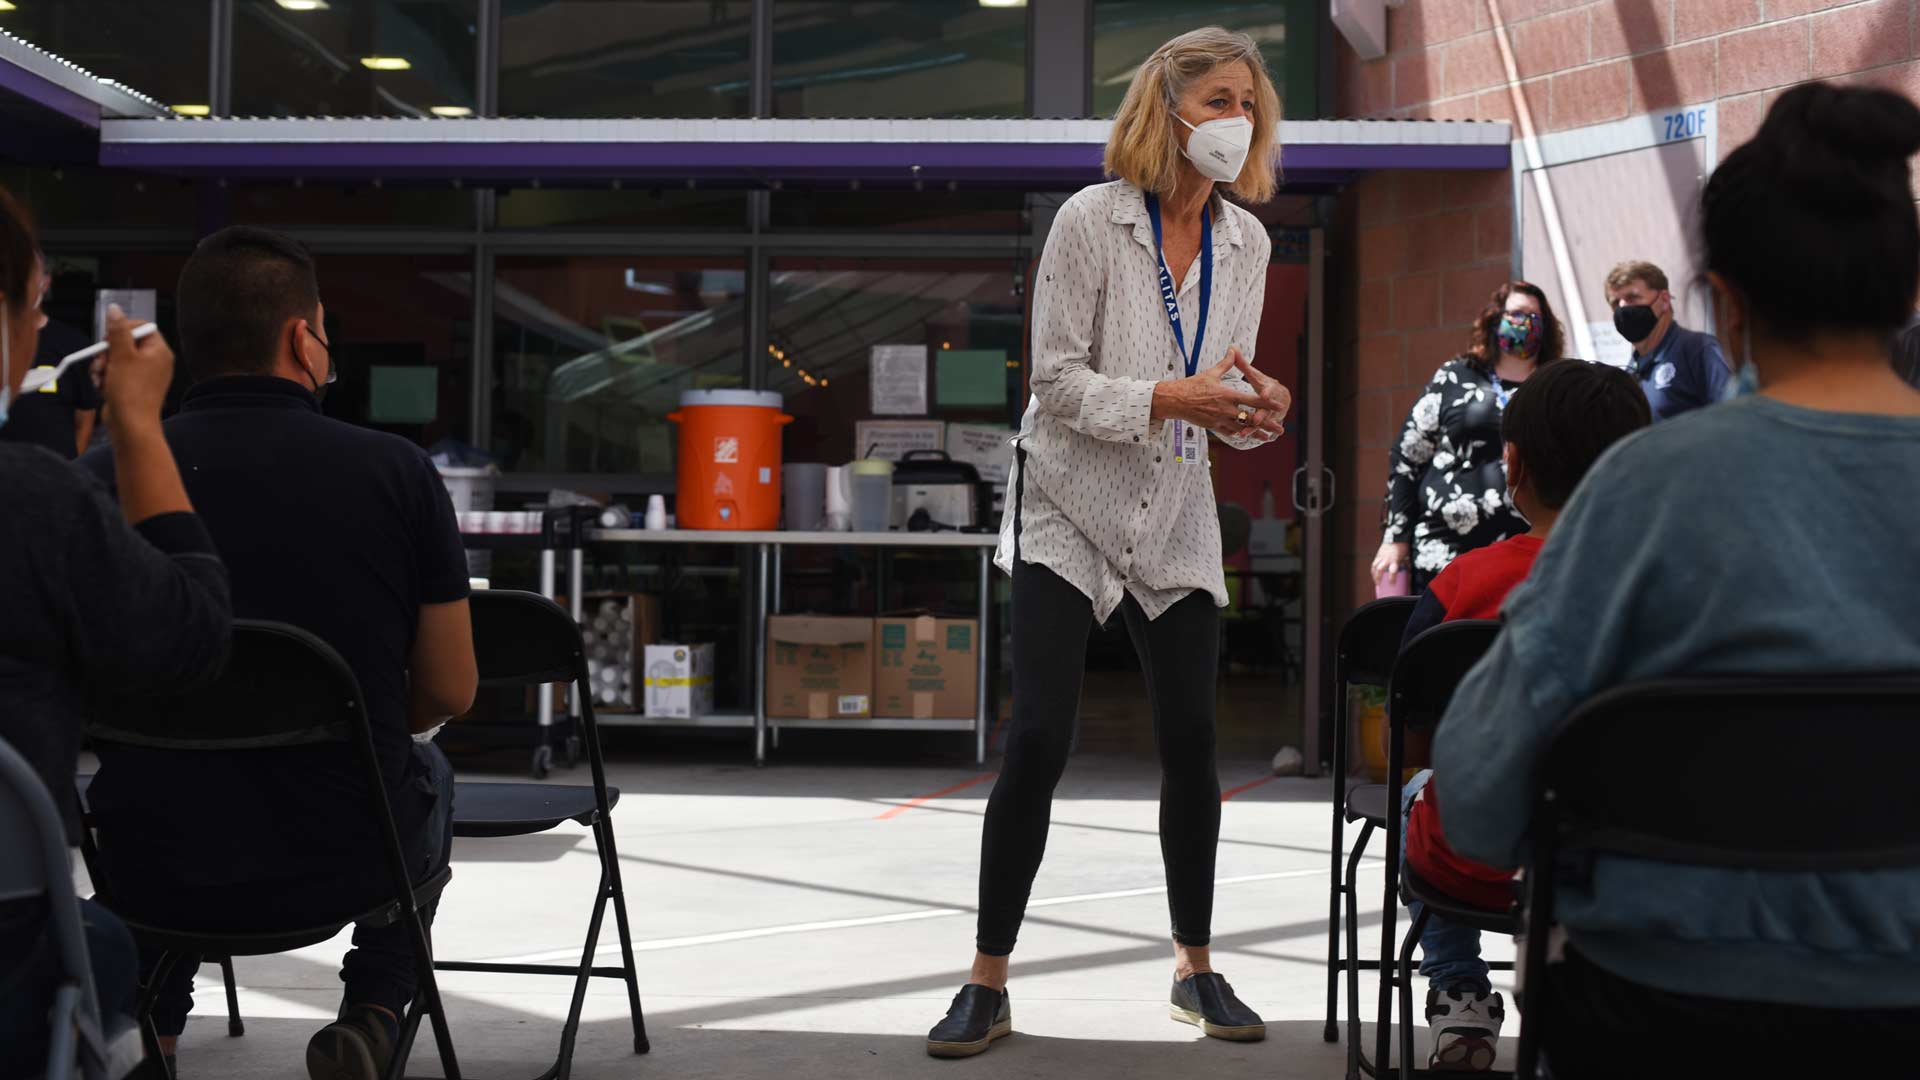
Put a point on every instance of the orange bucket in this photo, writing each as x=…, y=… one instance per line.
x=729, y=475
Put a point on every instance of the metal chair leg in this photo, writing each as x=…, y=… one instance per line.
x=1403, y=976
x=143, y=1012
x=564, y=1066
x=429, y=989
x=610, y=861
x=1354, y=1030
x=1389, y=917
x=403, y=1047
x=235, y=1028
x=1335, y=888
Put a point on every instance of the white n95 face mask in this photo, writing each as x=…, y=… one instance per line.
x=1218, y=148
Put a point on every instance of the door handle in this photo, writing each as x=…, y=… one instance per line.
x=1319, y=497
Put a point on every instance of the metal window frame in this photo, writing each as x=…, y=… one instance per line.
x=1060, y=34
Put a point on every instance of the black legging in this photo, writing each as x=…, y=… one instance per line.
x=1180, y=654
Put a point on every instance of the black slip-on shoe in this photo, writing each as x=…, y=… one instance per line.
x=1207, y=1002
x=979, y=1014
x=354, y=1047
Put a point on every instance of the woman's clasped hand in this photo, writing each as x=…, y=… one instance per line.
x=1209, y=399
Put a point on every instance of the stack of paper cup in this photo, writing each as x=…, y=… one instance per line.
x=839, y=500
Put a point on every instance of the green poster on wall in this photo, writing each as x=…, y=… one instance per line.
x=970, y=377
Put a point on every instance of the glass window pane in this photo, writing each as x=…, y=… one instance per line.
x=632, y=206
x=670, y=58
x=158, y=49
x=401, y=327
x=75, y=278
x=1125, y=32
x=898, y=58
x=354, y=58
x=1002, y=212
x=83, y=198
x=591, y=353
x=827, y=315
x=424, y=207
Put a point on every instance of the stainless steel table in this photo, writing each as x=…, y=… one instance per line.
x=768, y=546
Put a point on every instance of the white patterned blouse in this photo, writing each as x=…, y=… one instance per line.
x=1100, y=499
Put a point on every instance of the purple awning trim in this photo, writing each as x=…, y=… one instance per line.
x=887, y=163
x=25, y=84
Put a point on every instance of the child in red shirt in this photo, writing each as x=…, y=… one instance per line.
x=1557, y=424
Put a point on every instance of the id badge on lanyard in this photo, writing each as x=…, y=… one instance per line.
x=1189, y=441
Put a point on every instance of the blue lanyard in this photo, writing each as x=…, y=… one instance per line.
x=1170, y=297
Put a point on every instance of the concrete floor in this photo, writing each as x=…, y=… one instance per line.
x=813, y=920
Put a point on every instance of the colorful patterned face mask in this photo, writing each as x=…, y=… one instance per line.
x=1519, y=333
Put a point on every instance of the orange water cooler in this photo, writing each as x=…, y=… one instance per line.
x=729, y=474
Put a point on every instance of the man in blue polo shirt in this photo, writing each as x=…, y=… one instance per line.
x=345, y=532
x=1679, y=369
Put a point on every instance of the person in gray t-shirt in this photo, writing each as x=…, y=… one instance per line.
x=1766, y=535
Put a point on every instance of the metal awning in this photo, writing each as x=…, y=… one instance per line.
x=884, y=153
x=35, y=79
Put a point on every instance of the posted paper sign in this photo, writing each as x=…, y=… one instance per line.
x=1609, y=347
x=898, y=378
x=889, y=440
x=984, y=447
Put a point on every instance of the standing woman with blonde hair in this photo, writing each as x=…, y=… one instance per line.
x=1145, y=310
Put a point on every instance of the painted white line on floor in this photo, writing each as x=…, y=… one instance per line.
x=612, y=948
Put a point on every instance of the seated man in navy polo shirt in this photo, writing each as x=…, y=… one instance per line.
x=1680, y=369
x=347, y=533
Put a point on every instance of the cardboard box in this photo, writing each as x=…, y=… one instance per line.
x=679, y=681
x=819, y=667
x=926, y=667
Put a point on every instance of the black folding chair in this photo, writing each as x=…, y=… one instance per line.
x=235, y=1026
x=39, y=865
x=1424, y=678
x=1368, y=644
x=283, y=688
x=524, y=639
x=1845, y=803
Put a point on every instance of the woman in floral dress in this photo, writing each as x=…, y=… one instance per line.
x=1447, y=492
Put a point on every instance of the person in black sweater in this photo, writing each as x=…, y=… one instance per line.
x=131, y=596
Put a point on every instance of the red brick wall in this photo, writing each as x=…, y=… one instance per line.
x=1418, y=252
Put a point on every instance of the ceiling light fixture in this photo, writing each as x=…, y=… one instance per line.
x=302, y=5
x=386, y=63
x=7, y=5
x=186, y=110
x=1003, y=3
x=450, y=112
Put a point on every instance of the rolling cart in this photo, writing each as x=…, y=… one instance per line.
x=562, y=531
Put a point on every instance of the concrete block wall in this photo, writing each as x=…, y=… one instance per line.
x=1419, y=251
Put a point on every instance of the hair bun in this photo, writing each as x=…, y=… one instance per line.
x=1869, y=127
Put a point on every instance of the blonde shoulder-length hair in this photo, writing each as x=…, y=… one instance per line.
x=1144, y=148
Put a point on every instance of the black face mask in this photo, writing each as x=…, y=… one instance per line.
x=1635, y=321
x=333, y=372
